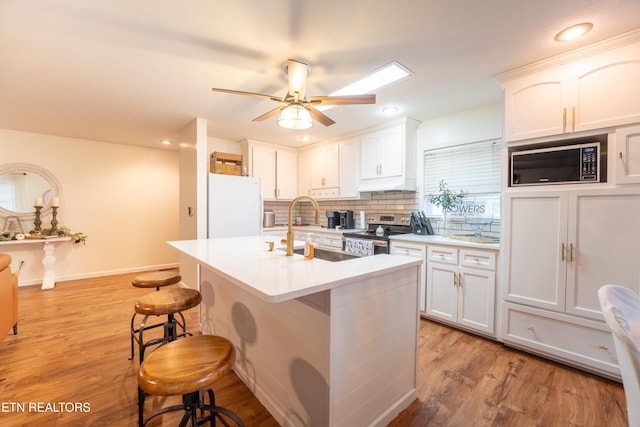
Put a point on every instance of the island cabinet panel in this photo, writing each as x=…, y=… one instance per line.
x=346, y=356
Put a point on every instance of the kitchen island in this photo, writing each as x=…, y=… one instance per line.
x=319, y=343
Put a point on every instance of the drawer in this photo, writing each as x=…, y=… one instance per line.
x=442, y=254
x=401, y=248
x=478, y=259
x=333, y=241
x=581, y=342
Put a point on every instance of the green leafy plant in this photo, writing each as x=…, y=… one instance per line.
x=446, y=198
x=76, y=236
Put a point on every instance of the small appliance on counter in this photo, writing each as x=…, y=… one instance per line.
x=420, y=224
x=269, y=219
x=346, y=220
x=333, y=219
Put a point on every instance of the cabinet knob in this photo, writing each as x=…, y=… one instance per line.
x=531, y=328
x=603, y=347
x=620, y=155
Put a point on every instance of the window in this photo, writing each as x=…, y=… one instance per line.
x=474, y=168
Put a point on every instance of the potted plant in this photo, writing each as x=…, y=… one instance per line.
x=448, y=200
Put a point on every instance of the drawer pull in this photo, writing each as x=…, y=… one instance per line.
x=603, y=347
x=531, y=328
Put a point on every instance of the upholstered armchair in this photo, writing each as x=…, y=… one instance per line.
x=8, y=297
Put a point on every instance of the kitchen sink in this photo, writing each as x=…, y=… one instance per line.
x=326, y=255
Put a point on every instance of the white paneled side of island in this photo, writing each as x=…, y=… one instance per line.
x=318, y=342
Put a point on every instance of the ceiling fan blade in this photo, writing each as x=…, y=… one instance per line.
x=297, y=72
x=269, y=114
x=343, y=100
x=239, y=92
x=319, y=116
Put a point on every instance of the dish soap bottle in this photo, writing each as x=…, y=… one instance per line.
x=308, y=247
x=379, y=231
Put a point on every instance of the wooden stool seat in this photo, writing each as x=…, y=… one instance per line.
x=168, y=301
x=156, y=279
x=188, y=367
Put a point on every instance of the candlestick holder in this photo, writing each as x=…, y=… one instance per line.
x=54, y=221
x=37, y=222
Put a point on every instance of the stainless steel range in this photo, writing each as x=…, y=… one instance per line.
x=380, y=227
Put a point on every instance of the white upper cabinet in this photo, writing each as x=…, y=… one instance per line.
x=627, y=155
x=349, y=168
x=325, y=179
x=276, y=166
x=593, y=92
x=388, y=157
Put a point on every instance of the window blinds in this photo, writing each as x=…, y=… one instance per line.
x=475, y=168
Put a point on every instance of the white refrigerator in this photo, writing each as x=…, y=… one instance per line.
x=234, y=206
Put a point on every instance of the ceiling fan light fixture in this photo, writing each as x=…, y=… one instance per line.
x=295, y=117
x=573, y=32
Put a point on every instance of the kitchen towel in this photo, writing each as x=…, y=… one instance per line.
x=358, y=246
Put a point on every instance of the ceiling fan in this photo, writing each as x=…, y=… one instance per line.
x=298, y=109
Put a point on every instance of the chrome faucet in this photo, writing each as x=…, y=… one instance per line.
x=289, y=240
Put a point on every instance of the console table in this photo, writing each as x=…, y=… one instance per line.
x=48, y=257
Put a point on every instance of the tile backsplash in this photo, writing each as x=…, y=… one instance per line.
x=383, y=202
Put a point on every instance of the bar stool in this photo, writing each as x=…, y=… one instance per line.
x=188, y=367
x=154, y=279
x=167, y=302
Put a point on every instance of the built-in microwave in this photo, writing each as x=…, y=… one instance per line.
x=565, y=164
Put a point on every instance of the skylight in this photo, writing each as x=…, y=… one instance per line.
x=385, y=76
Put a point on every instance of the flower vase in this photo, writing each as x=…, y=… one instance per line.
x=445, y=224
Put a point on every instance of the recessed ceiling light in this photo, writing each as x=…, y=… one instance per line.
x=305, y=138
x=385, y=76
x=166, y=142
x=389, y=110
x=573, y=32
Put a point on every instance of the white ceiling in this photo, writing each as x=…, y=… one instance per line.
x=136, y=72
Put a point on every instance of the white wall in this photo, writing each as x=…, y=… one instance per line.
x=474, y=125
x=124, y=198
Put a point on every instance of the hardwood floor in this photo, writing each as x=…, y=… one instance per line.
x=73, y=343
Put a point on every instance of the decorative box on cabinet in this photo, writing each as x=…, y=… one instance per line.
x=461, y=287
x=561, y=95
x=416, y=251
x=388, y=157
x=276, y=166
x=627, y=155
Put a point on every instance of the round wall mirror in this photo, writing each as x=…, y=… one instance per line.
x=21, y=184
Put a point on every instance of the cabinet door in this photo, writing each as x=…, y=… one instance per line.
x=536, y=105
x=391, y=152
x=535, y=235
x=370, y=166
x=606, y=89
x=476, y=299
x=263, y=161
x=287, y=174
x=416, y=251
x=324, y=167
x=605, y=238
x=304, y=172
x=442, y=291
x=349, y=172
x=627, y=155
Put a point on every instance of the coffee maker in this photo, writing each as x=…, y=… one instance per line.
x=333, y=219
x=346, y=219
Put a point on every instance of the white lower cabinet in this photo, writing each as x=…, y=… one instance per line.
x=461, y=287
x=576, y=341
x=417, y=251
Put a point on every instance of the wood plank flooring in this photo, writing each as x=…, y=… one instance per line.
x=68, y=367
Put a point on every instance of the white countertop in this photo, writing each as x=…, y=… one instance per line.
x=275, y=277
x=440, y=240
